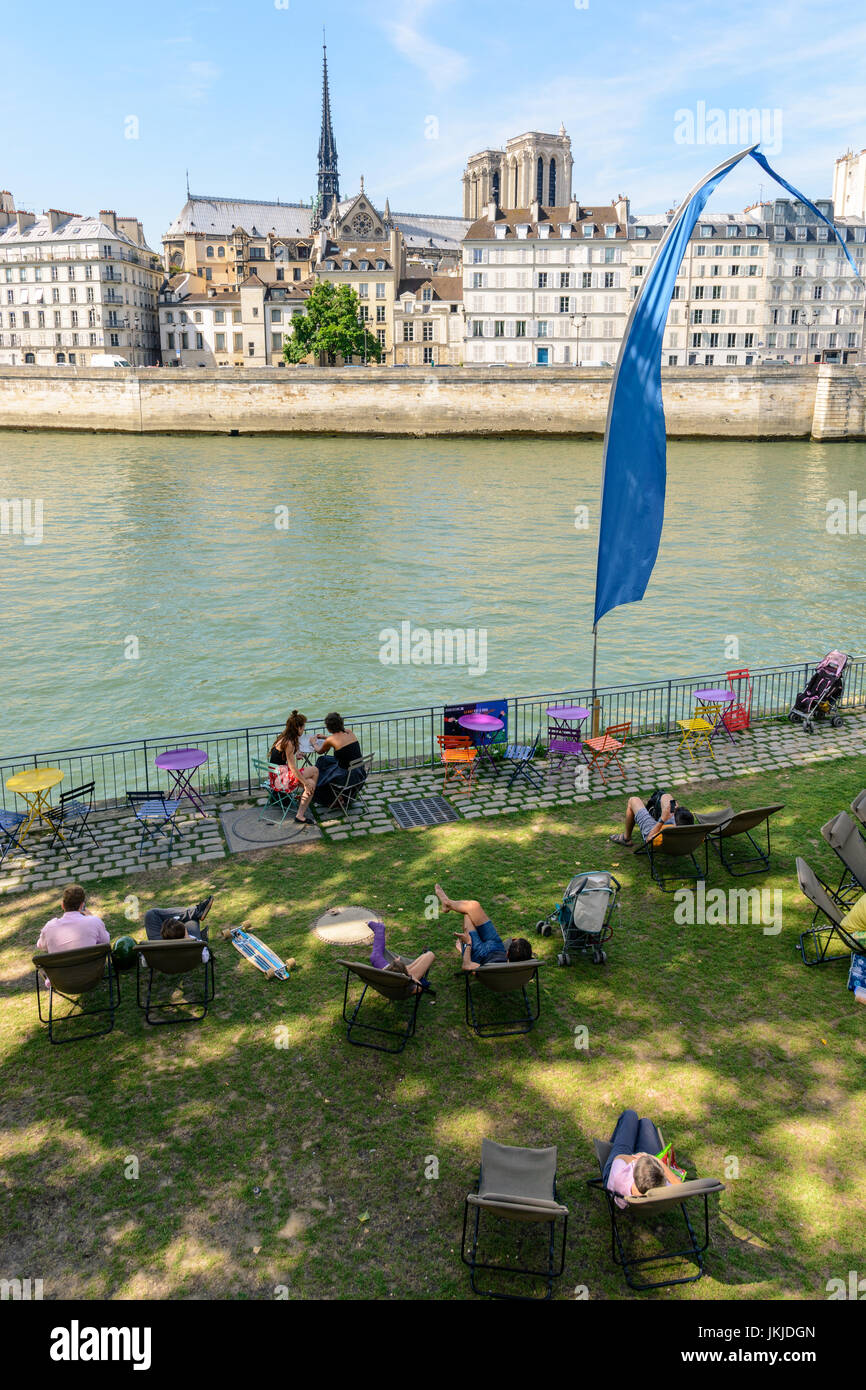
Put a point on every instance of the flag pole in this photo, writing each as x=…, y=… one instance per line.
x=595, y=720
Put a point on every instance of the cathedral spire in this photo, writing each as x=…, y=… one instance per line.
x=329, y=178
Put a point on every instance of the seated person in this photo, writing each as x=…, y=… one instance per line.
x=189, y=917
x=631, y=1168
x=336, y=752
x=854, y=920
x=479, y=934
x=75, y=928
x=648, y=823
x=284, y=753
x=383, y=959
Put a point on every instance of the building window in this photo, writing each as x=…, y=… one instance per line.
x=477, y=328
x=220, y=342
x=564, y=304
x=608, y=280
x=238, y=340
x=219, y=316
x=427, y=332
x=380, y=290
x=520, y=328
x=539, y=180
x=251, y=349
x=380, y=334
x=498, y=328
x=427, y=294
x=541, y=281
x=221, y=250
x=199, y=341
x=276, y=342
x=408, y=332
x=429, y=359
x=363, y=291
x=542, y=328
x=210, y=250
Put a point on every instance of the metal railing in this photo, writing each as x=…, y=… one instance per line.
x=406, y=738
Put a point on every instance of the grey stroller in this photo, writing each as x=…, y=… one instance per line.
x=585, y=916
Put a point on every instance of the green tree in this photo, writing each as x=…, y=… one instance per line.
x=331, y=327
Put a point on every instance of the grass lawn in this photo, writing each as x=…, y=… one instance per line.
x=304, y=1165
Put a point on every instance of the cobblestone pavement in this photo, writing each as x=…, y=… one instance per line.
x=651, y=762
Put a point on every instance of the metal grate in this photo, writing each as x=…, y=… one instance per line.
x=422, y=810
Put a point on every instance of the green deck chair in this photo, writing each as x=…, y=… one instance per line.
x=75, y=976
x=516, y=1185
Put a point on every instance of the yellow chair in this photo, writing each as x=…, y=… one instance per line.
x=696, y=732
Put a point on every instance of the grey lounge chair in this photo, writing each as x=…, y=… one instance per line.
x=394, y=986
x=657, y=1201
x=503, y=977
x=517, y=1185
x=858, y=806
x=72, y=975
x=173, y=959
x=819, y=939
x=677, y=842
x=728, y=824
x=843, y=836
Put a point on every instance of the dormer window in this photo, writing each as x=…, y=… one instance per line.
x=706, y=229
x=751, y=230
x=565, y=230
x=347, y=265
x=589, y=230
x=732, y=229
x=544, y=230
x=364, y=265
x=522, y=230
x=329, y=265
x=823, y=233
x=501, y=231
x=610, y=229
x=800, y=233
x=427, y=292
x=380, y=265
x=641, y=233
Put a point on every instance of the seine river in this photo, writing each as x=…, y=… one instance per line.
x=184, y=584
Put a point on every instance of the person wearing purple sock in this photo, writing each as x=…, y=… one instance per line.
x=381, y=959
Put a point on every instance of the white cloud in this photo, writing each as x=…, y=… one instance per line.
x=443, y=67
x=195, y=81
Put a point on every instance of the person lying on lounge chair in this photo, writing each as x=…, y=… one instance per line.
x=385, y=960
x=649, y=825
x=485, y=945
x=189, y=918
x=628, y=1174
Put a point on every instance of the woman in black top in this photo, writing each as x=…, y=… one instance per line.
x=336, y=753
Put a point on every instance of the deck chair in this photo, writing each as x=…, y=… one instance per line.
x=816, y=941
x=68, y=819
x=843, y=836
x=74, y=976
x=677, y=842
x=347, y=792
x=394, y=986
x=858, y=806
x=503, y=977
x=459, y=758
x=172, y=960
x=698, y=731
x=517, y=1185
x=738, y=714
x=728, y=824
x=521, y=756
x=10, y=824
x=654, y=1204
x=607, y=748
x=284, y=801
x=156, y=814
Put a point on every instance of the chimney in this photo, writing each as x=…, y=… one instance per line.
x=534, y=212
x=55, y=217
x=7, y=207
x=573, y=210
x=109, y=217
x=24, y=220
x=623, y=210
x=492, y=212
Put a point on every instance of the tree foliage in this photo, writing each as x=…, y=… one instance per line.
x=331, y=327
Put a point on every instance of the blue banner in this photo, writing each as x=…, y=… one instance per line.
x=634, y=465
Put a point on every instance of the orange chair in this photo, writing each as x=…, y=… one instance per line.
x=738, y=714
x=607, y=749
x=458, y=755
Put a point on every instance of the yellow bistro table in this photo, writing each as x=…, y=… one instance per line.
x=33, y=785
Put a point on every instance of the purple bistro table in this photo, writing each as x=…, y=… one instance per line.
x=716, y=697
x=563, y=734
x=180, y=763
x=483, y=727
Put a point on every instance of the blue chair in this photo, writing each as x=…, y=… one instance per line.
x=10, y=821
x=521, y=756
x=69, y=818
x=156, y=814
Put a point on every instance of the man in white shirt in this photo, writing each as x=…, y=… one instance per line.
x=75, y=928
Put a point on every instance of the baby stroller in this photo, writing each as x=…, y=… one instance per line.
x=584, y=915
x=823, y=694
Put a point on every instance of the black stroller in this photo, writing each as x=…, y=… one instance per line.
x=823, y=694
x=584, y=915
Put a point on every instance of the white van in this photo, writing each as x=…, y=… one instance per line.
x=108, y=359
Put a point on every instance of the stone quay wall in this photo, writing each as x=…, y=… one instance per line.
x=817, y=402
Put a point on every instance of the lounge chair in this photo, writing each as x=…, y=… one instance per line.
x=655, y=1204
x=517, y=1185
x=821, y=938
x=173, y=959
x=843, y=836
x=74, y=976
x=503, y=977
x=677, y=842
x=726, y=825
x=394, y=986
x=858, y=806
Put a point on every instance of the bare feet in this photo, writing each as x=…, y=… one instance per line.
x=442, y=896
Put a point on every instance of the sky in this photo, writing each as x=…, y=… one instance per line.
x=108, y=106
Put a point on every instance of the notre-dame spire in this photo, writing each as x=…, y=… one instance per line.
x=329, y=178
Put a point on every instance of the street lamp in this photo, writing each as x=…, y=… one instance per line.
x=579, y=320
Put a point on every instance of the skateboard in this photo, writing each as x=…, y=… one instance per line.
x=262, y=957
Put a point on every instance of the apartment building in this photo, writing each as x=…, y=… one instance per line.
x=546, y=285
x=202, y=325
x=428, y=322
x=72, y=287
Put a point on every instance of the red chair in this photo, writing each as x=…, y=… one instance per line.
x=458, y=757
x=606, y=749
x=737, y=715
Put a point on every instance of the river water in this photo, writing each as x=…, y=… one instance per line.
x=184, y=584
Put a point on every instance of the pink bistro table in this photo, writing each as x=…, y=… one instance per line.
x=483, y=727
x=716, y=697
x=180, y=763
x=563, y=734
